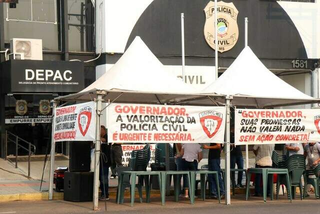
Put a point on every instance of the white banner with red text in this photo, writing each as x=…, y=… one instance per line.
x=75, y=122
x=273, y=126
x=138, y=123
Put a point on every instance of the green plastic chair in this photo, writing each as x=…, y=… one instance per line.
x=279, y=161
x=313, y=177
x=138, y=162
x=296, y=166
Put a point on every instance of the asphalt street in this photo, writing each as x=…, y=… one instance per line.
x=254, y=205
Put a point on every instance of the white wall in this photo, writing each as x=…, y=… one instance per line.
x=306, y=17
x=301, y=82
x=115, y=20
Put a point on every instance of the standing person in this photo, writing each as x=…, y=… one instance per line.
x=105, y=163
x=263, y=160
x=294, y=148
x=312, y=153
x=236, y=158
x=191, y=154
x=116, y=154
x=214, y=165
x=177, y=147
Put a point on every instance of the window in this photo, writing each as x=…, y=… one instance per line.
x=81, y=30
x=35, y=19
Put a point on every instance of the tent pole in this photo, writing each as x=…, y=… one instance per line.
x=247, y=156
x=246, y=31
x=52, y=153
x=97, y=154
x=182, y=47
x=216, y=37
x=227, y=152
x=246, y=45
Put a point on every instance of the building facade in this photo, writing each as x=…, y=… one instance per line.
x=56, y=39
x=85, y=38
x=283, y=34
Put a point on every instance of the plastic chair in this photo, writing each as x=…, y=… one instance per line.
x=279, y=161
x=138, y=162
x=203, y=167
x=160, y=163
x=296, y=168
x=313, y=177
x=125, y=183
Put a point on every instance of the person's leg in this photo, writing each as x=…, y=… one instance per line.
x=113, y=163
x=240, y=166
x=117, y=157
x=178, y=161
x=104, y=181
x=221, y=183
x=232, y=166
x=257, y=183
x=213, y=166
x=185, y=167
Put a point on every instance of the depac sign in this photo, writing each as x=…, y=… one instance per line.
x=43, y=76
x=48, y=75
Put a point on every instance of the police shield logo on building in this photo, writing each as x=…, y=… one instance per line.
x=228, y=31
x=210, y=122
x=21, y=107
x=44, y=107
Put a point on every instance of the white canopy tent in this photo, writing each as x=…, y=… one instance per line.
x=137, y=77
x=247, y=82
x=252, y=84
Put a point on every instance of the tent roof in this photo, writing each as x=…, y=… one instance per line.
x=139, y=77
x=252, y=84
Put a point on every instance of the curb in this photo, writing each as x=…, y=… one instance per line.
x=59, y=195
x=30, y=197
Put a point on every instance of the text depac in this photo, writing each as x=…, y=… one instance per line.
x=48, y=75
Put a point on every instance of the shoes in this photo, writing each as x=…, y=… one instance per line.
x=104, y=199
x=222, y=196
x=239, y=186
x=186, y=196
x=113, y=176
x=213, y=197
x=257, y=195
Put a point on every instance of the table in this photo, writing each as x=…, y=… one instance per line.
x=233, y=181
x=133, y=175
x=191, y=180
x=265, y=172
x=203, y=174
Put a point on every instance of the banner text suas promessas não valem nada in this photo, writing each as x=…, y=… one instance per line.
x=280, y=126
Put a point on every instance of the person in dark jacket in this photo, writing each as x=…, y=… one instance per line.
x=105, y=163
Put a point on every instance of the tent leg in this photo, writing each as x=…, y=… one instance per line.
x=227, y=152
x=97, y=155
x=52, y=153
